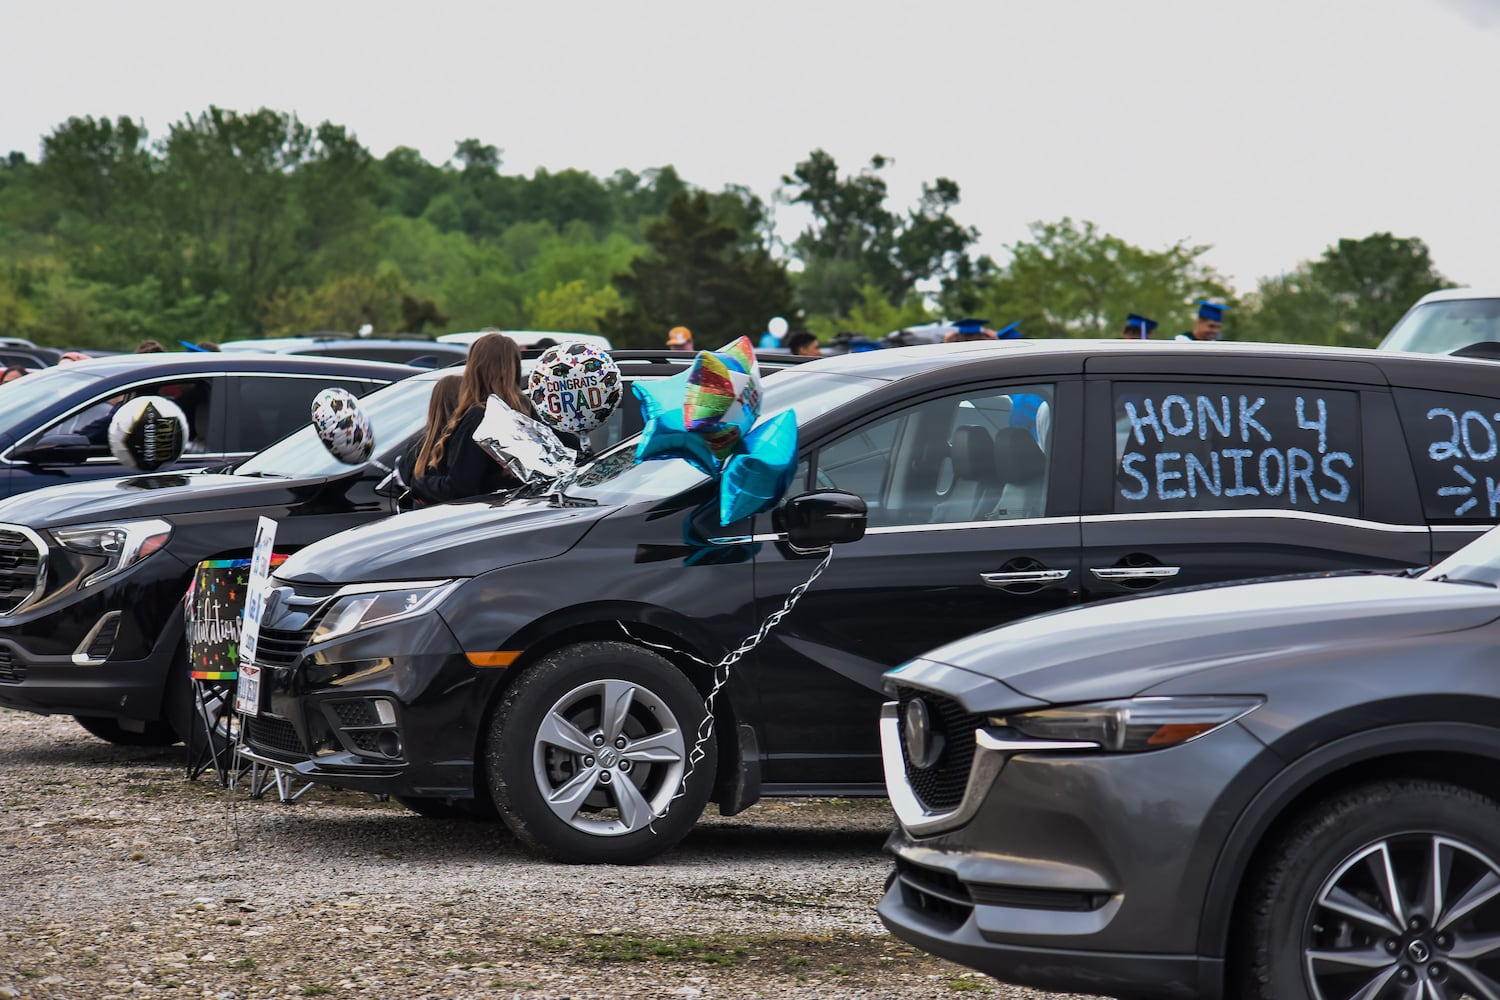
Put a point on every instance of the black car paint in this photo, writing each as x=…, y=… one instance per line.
x=213, y=516
x=1167, y=837
x=801, y=708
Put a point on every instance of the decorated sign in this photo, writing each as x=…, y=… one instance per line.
x=1191, y=448
x=342, y=426
x=147, y=433
x=575, y=387
x=215, y=606
x=247, y=695
x=1455, y=448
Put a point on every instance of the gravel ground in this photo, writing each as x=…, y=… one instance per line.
x=119, y=878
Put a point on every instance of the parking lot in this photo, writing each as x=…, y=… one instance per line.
x=120, y=878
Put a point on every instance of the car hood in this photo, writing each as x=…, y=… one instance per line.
x=452, y=540
x=153, y=495
x=1121, y=648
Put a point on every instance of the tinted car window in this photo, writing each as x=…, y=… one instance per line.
x=193, y=396
x=396, y=413
x=971, y=457
x=267, y=408
x=1454, y=442
x=1228, y=447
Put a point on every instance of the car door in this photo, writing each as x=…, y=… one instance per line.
x=200, y=397
x=1192, y=478
x=972, y=496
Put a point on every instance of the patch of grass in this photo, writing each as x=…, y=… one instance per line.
x=630, y=948
x=513, y=984
x=838, y=970
x=315, y=990
x=244, y=963
x=967, y=984
x=797, y=962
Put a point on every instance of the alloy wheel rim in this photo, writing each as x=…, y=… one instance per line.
x=1412, y=916
x=608, y=757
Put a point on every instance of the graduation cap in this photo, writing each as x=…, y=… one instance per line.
x=970, y=326
x=1211, y=311
x=1012, y=332
x=1143, y=324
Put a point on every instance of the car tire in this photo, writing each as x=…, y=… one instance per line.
x=587, y=786
x=154, y=734
x=1344, y=900
x=439, y=808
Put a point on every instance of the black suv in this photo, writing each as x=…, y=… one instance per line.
x=98, y=634
x=478, y=652
x=235, y=405
x=421, y=352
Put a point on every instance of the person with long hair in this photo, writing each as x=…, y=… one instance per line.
x=419, y=454
x=451, y=465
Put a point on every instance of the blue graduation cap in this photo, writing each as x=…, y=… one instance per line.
x=970, y=326
x=1012, y=332
x=1211, y=311
x=194, y=347
x=1141, y=324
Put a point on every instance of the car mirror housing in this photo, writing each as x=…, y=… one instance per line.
x=816, y=520
x=56, y=449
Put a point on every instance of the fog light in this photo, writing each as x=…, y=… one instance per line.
x=384, y=711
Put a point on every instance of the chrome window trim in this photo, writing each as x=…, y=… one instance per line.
x=1476, y=528
x=901, y=529
x=80, y=655
x=41, y=569
x=1295, y=515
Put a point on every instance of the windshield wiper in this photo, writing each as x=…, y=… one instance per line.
x=1445, y=578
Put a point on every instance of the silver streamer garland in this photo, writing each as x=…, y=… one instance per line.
x=721, y=676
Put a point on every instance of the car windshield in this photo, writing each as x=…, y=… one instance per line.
x=1445, y=327
x=21, y=397
x=1477, y=562
x=615, y=477
x=396, y=414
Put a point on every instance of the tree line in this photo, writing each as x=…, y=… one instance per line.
x=235, y=225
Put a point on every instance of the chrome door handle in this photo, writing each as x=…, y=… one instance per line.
x=1027, y=576
x=1136, y=572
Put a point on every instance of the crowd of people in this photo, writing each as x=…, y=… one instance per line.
x=1208, y=326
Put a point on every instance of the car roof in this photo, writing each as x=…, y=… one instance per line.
x=173, y=362
x=1458, y=294
x=528, y=337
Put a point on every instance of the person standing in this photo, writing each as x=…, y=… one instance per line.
x=971, y=329
x=679, y=338
x=804, y=344
x=1138, y=327
x=1210, y=323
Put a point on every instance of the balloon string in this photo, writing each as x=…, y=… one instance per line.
x=721, y=677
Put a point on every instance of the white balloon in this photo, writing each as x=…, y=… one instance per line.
x=777, y=327
x=141, y=434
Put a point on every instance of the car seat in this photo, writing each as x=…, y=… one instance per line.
x=1020, y=462
x=976, y=483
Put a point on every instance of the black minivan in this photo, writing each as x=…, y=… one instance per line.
x=552, y=656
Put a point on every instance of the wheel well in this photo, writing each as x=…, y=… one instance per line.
x=689, y=660
x=1475, y=772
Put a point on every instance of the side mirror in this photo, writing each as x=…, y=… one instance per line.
x=58, y=449
x=816, y=520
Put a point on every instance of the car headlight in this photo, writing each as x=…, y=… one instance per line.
x=120, y=545
x=365, y=605
x=1130, y=725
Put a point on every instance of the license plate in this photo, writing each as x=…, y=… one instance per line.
x=247, y=691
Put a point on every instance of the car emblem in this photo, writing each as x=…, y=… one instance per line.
x=924, y=744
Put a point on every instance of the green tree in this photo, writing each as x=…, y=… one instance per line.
x=702, y=272
x=1072, y=280
x=1374, y=281
x=572, y=306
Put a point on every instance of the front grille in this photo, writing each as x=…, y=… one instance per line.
x=280, y=649
x=354, y=713
x=267, y=732
x=20, y=569
x=936, y=893
x=11, y=672
x=365, y=739
x=940, y=788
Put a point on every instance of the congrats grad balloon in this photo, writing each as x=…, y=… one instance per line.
x=147, y=432
x=575, y=387
x=342, y=426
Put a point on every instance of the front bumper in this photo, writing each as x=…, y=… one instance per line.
x=106, y=650
x=394, y=710
x=1076, y=871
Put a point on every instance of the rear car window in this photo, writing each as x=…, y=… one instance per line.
x=1454, y=442
x=1205, y=446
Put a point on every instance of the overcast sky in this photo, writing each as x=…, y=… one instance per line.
x=1267, y=128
